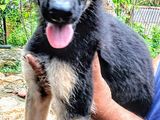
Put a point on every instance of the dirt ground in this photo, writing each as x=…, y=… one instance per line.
x=11, y=105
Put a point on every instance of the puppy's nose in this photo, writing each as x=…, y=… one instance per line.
x=60, y=11
x=62, y=5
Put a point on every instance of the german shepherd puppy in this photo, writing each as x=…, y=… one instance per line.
x=66, y=39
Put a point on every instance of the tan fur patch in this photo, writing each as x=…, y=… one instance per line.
x=62, y=78
x=29, y=75
x=35, y=108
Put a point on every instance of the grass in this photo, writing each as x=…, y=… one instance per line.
x=13, y=68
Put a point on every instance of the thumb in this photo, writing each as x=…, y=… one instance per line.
x=96, y=70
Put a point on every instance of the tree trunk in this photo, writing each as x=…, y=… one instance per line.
x=4, y=31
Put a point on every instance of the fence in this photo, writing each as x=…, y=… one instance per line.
x=147, y=16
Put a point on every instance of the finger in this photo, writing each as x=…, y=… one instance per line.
x=96, y=71
x=34, y=62
x=22, y=94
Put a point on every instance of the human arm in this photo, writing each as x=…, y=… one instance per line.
x=106, y=108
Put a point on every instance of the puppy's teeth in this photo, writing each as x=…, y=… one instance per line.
x=54, y=20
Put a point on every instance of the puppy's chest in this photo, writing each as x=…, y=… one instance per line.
x=62, y=78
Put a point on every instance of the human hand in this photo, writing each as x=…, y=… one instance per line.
x=101, y=91
x=106, y=107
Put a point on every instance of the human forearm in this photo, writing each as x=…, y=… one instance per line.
x=105, y=107
x=114, y=111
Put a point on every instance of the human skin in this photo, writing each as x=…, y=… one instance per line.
x=105, y=107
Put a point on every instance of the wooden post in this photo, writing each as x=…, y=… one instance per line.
x=4, y=30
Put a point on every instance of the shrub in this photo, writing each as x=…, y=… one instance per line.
x=20, y=21
x=14, y=67
x=152, y=40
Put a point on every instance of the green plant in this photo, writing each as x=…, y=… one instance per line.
x=124, y=9
x=155, y=40
x=17, y=37
x=21, y=19
x=1, y=35
x=12, y=68
x=155, y=3
x=152, y=40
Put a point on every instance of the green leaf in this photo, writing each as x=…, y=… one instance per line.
x=7, y=1
x=3, y=7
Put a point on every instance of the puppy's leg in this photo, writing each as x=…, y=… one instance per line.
x=39, y=94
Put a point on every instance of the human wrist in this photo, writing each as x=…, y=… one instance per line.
x=102, y=111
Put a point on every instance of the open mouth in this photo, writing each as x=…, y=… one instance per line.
x=61, y=17
x=59, y=36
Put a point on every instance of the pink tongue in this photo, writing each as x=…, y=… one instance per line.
x=59, y=37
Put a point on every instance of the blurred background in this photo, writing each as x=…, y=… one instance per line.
x=18, y=21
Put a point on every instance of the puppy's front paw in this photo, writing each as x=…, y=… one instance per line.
x=44, y=86
x=36, y=65
x=42, y=83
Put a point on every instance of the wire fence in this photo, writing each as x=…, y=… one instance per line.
x=147, y=16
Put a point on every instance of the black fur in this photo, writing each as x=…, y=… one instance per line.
x=124, y=58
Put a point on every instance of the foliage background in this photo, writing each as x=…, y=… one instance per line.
x=124, y=10
x=21, y=20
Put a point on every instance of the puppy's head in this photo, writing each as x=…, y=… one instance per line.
x=60, y=16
